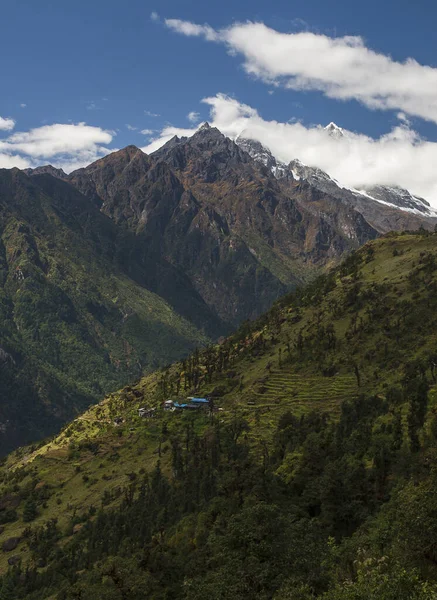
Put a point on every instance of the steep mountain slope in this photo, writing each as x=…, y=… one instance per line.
x=232, y=225
x=146, y=197
x=251, y=199
x=217, y=229
x=47, y=169
x=221, y=219
x=385, y=208
x=76, y=317
x=314, y=480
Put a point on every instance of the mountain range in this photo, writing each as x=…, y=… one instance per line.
x=208, y=203
x=387, y=208
x=122, y=266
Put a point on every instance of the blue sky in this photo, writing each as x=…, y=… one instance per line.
x=108, y=64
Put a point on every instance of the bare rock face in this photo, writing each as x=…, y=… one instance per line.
x=77, y=528
x=384, y=208
x=49, y=169
x=5, y=357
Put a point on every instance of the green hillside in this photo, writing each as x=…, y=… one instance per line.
x=76, y=319
x=312, y=475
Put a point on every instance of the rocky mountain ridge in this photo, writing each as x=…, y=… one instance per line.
x=206, y=204
x=387, y=208
x=226, y=221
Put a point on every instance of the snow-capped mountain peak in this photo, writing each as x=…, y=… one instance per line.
x=313, y=175
x=393, y=197
x=204, y=127
x=398, y=197
x=262, y=155
x=335, y=131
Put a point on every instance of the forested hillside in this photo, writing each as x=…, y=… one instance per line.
x=311, y=474
x=77, y=318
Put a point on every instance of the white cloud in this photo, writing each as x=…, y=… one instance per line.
x=403, y=118
x=154, y=16
x=401, y=157
x=131, y=127
x=165, y=135
x=148, y=113
x=8, y=161
x=147, y=131
x=23, y=105
x=6, y=124
x=194, y=30
x=71, y=162
x=193, y=117
x=65, y=145
x=50, y=140
x=341, y=67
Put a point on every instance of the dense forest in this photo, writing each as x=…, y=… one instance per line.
x=311, y=519
x=310, y=475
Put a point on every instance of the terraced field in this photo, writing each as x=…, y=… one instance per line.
x=303, y=394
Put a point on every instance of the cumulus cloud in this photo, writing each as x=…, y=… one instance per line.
x=149, y=113
x=340, y=67
x=23, y=105
x=50, y=140
x=131, y=127
x=8, y=161
x=400, y=157
x=154, y=16
x=147, y=131
x=6, y=124
x=193, y=117
x=65, y=145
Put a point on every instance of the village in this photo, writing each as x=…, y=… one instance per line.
x=191, y=404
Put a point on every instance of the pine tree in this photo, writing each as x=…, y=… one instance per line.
x=8, y=591
x=30, y=510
